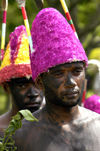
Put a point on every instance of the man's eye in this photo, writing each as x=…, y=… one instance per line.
x=77, y=71
x=58, y=74
x=21, y=86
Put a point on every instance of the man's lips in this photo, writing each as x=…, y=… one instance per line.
x=32, y=102
x=32, y=105
x=71, y=94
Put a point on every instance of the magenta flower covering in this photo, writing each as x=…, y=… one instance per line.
x=15, y=41
x=54, y=42
x=93, y=103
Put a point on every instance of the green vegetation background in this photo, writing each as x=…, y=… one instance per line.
x=85, y=15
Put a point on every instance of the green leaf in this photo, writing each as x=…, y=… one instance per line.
x=27, y=115
x=16, y=117
x=10, y=130
x=1, y=144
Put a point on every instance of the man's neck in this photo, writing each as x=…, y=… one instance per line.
x=14, y=110
x=62, y=114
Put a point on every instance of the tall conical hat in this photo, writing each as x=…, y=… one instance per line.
x=54, y=42
x=16, y=61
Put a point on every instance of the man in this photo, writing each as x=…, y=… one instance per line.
x=58, y=66
x=15, y=77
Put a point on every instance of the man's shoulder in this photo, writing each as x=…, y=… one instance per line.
x=27, y=126
x=87, y=111
x=2, y=116
x=4, y=121
x=88, y=116
x=28, y=129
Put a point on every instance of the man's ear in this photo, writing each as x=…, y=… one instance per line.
x=39, y=83
x=6, y=87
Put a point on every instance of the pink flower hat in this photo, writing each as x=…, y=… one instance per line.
x=54, y=42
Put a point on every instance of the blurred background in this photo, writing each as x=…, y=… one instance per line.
x=86, y=17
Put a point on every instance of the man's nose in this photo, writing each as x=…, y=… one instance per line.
x=32, y=92
x=69, y=81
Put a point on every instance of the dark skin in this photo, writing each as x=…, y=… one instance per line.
x=24, y=95
x=63, y=125
x=65, y=86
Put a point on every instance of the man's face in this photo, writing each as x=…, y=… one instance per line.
x=63, y=83
x=25, y=94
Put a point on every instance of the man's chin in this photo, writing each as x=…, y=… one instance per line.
x=68, y=103
x=33, y=109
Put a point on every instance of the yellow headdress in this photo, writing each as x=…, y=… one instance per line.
x=16, y=61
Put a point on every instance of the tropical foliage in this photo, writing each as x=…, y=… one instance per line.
x=7, y=143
